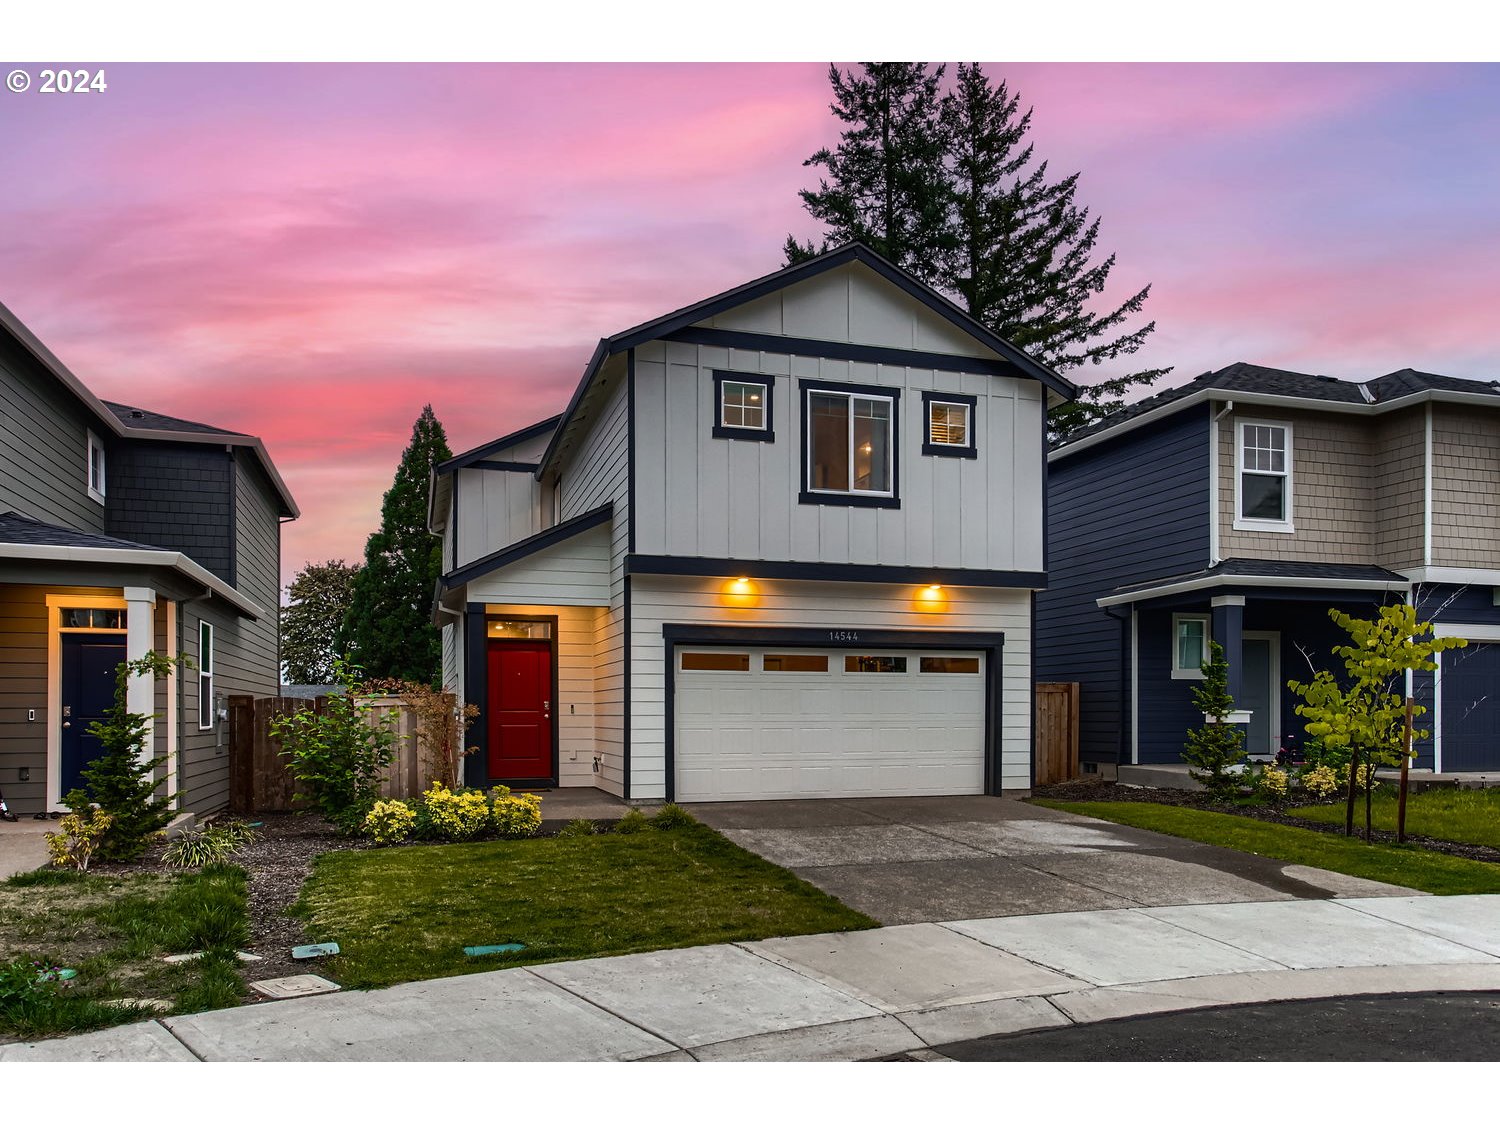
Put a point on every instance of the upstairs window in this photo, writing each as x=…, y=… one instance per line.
x=950, y=425
x=1263, y=492
x=742, y=406
x=850, y=454
x=95, y=468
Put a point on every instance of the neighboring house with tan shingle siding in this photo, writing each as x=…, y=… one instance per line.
x=123, y=530
x=1239, y=508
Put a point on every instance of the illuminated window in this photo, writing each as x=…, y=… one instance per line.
x=950, y=425
x=851, y=455
x=742, y=406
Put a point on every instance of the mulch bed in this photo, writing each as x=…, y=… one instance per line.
x=1099, y=790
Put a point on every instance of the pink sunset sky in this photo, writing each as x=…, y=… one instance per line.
x=312, y=252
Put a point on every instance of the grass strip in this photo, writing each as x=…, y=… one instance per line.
x=407, y=913
x=1403, y=865
x=1464, y=816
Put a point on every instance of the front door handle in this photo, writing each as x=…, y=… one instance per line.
x=66, y=725
x=547, y=707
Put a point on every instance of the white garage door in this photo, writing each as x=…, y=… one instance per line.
x=767, y=723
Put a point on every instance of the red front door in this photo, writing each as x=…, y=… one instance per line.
x=520, y=706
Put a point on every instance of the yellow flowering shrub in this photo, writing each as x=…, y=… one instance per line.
x=79, y=837
x=515, y=817
x=1273, y=783
x=456, y=816
x=390, y=822
x=1321, y=782
x=1363, y=780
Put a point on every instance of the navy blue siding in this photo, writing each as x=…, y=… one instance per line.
x=1129, y=511
x=179, y=497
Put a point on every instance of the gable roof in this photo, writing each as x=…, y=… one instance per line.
x=1024, y=364
x=150, y=426
x=1265, y=383
x=527, y=547
x=480, y=452
x=1271, y=573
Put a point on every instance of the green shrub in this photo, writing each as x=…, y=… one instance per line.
x=580, y=827
x=214, y=843
x=1215, y=750
x=1320, y=781
x=80, y=833
x=514, y=816
x=390, y=822
x=1272, y=784
x=341, y=752
x=632, y=822
x=671, y=816
x=456, y=814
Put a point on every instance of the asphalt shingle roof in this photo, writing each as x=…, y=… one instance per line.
x=23, y=530
x=1252, y=378
x=138, y=418
x=1251, y=569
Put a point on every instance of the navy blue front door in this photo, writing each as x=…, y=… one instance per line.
x=1471, y=708
x=89, y=661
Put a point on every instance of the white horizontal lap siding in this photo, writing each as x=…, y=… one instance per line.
x=573, y=572
x=573, y=709
x=698, y=495
x=656, y=601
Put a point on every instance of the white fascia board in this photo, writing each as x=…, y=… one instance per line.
x=1284, y=402
x=1480, y=634
x=1451, y=576
x=1269, y=581
x=123, y=556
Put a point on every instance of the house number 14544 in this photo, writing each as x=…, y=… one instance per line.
x=842, y=635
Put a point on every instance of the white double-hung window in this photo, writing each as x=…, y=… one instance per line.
x=1190, y=637
x=850, y=454
x=1263, y=476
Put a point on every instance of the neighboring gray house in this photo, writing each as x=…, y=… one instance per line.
x=1239, y=508
x=782, y=543
x=122, y=531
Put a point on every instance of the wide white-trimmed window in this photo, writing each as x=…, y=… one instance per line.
x=95, y=468
x=742, y=406
x=948, y=424
x=850, y=452
x=205, y=676
x=1263, y=476
x=1190, y=639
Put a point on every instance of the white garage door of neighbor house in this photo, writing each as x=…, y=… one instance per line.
x=767, y=723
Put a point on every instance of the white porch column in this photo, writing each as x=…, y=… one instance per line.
x=140, y=638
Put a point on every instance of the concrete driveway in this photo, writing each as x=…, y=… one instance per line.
x=941, y=859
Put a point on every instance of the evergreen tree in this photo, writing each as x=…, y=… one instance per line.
x=948, y=188
x=1218, y=747
x=312, y=621
x=889, y=189
x=388, y=627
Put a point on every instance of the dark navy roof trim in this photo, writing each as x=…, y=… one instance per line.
x=481, y=452
x=1251, y=569
x=529, y=546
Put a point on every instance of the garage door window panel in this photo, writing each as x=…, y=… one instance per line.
x=794, y=662
x=950, y=665
x=875, y=664
x=716, y=662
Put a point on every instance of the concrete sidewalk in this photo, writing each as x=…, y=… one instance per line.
x=902, y=989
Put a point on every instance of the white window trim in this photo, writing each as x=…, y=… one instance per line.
x=765, y=415
x=206, y=672
x=1191, y=673
x=1279, y=527
x=890, y=449
x=92, y=442
x=968, y=442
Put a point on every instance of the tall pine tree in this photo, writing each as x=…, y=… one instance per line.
x=980, y=219
x=388, y=628
x=888, y=186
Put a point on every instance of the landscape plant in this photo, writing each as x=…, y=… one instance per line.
x=1215, y=752
x=441, y=724
x=579, y=827
x=1272, y=784
x=514, y=816
x=339, y=750
x=390, y=822
x=78, y=834
x=1319, y=781
x=213, y=843
x=121, y=781
x=1363, y=714
x=632, y=822
x=456, y=814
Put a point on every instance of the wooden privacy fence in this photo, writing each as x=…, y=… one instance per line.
x=259, y=780
x=1056, y=733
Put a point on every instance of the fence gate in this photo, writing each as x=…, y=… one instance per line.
x=1056, y=733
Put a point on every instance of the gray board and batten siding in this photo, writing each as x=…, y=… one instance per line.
x=1121, y=512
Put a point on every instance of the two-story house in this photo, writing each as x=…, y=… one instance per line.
x=124, y=531
x=1239, y=508
x=781, y=543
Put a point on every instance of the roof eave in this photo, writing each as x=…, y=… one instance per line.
x=121, y=556
x=1273, y=581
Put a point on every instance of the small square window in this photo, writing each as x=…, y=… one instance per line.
x=742, y=406
x=949, y=421
x=1190, y=639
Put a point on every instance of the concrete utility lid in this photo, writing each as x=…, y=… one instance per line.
x=287, y=988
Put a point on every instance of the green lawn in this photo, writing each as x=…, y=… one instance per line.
x=406, y=913
x=114, y=930
x=1466, y=816
x=1405, y=866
